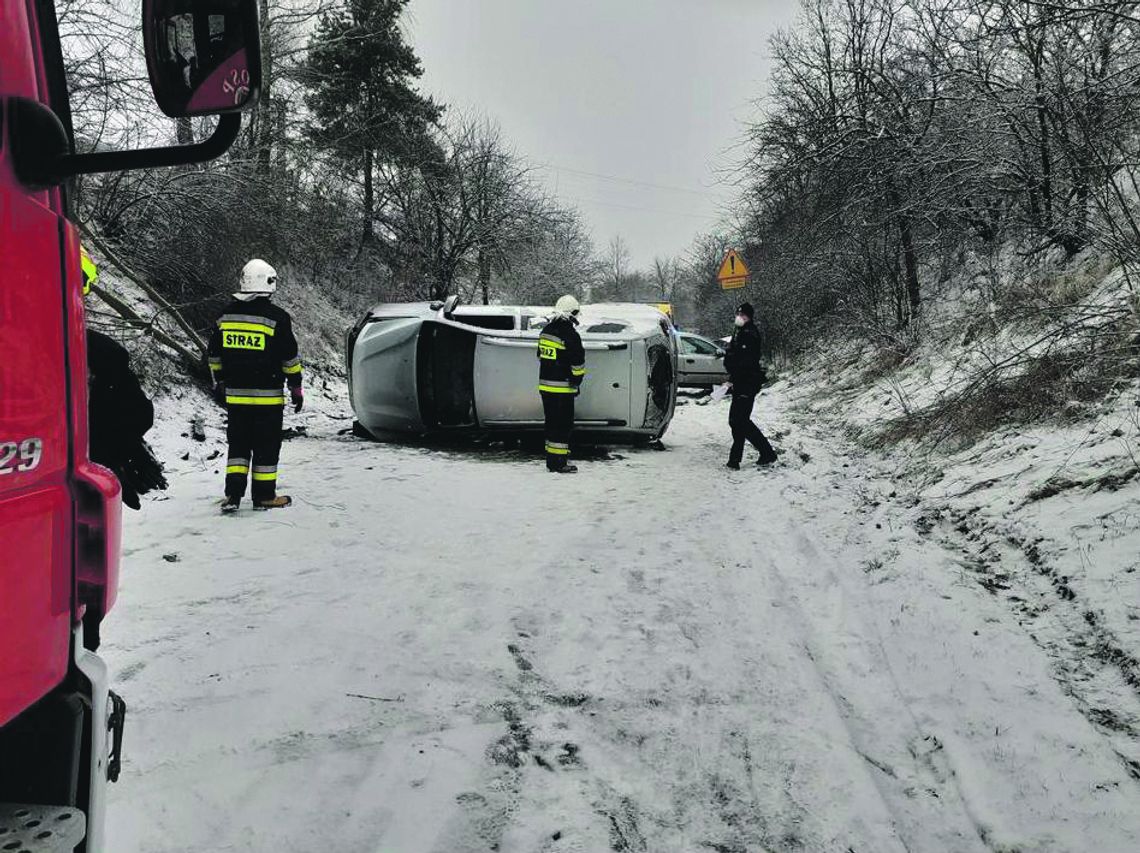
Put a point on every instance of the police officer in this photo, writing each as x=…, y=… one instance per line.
x=561, y=368
x=119, y=413
x=252, y=353
x=742, y=361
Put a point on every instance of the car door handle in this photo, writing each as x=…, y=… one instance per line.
x=689, y=361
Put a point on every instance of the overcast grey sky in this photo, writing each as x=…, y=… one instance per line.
x=631, y=106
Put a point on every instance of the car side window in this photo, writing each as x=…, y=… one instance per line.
x=703, y=347
x=687, y=346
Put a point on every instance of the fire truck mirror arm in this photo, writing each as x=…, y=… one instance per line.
x=41, y=151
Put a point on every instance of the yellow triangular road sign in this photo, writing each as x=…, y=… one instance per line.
x=732, y=267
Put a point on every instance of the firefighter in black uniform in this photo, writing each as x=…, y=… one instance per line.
x=742, y=361
x=252, y=353
x=119, y=413
x=561, y=368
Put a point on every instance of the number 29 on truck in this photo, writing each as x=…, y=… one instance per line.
x=60, y=725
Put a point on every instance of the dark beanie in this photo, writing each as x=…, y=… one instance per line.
x=746, y=309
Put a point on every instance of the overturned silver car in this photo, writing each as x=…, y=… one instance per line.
x=430, y=367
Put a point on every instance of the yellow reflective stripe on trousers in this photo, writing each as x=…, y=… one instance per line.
x=556, y=389
x=578, y=371
x=237, y=469
x=258, y=475
x=255, y=401
x=556, y=449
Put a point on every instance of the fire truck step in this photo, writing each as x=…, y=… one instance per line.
x=40, y=829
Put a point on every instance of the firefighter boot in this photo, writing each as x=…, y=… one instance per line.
x=230, y=505
x=274, y=503
x=565, y=469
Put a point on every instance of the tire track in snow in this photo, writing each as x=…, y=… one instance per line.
x=925, y=782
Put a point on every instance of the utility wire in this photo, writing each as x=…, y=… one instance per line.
x=621, y=180
x=704, y=216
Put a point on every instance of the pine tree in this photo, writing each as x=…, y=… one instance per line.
x=362, y=96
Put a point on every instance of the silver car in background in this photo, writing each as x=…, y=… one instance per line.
x=700, y=362
x=428, y=368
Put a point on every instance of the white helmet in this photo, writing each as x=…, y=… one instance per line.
x=257, y=279
x=567, y=306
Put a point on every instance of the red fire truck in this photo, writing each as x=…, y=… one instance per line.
x=60, y=726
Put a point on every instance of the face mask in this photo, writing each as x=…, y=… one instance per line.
x=740, y=320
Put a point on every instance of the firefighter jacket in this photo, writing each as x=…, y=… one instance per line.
x=119, y=413
x=561, y=358
x=253, y=351
x=742, y=361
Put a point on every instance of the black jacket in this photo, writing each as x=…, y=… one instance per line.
x=118, y=416
x=742, y=360
x=253, y=352
x=561, y=358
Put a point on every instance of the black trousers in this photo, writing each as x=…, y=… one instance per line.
x=743, y=429
x=558, y=409
x=254, y=437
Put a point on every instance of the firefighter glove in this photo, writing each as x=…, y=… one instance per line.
x=298, y=398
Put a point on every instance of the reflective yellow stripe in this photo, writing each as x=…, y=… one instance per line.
x=578, y=371
x=237, y=469
x=90, y=271
x=230, y=326
x=296, y=368
x=551, y=343
x=557, y=451
x=557, y=389
x=258, y=475
x=256, y=401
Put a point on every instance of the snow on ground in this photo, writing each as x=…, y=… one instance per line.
x=449, y=650
x=1044, y=517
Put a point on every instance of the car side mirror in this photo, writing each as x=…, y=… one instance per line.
x=203, y=58
x=719, y=354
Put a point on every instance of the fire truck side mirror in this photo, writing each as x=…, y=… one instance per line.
x=203, y=56
x=38, y=143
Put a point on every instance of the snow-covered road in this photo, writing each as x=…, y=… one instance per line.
x=448, y=651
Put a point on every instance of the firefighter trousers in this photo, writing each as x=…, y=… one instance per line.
x=558, y=410
x=254, y=437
